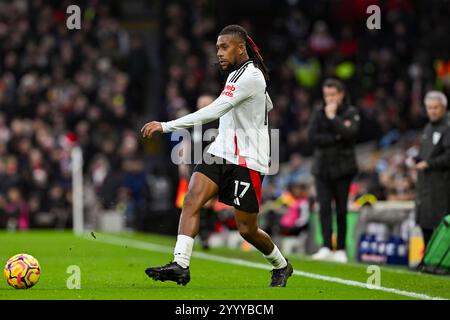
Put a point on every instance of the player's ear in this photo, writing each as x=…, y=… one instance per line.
x=241, y=48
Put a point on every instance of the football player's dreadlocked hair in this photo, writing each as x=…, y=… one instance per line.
x=252, y=48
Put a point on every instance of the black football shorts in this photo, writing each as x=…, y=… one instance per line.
x=239, y=186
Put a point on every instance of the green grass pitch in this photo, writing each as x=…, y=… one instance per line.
x=112, y=267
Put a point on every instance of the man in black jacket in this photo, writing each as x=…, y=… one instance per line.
x=333, y=131
x=433, y=165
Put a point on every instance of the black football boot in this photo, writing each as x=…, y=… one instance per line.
x=280, y=276
x=171, y=272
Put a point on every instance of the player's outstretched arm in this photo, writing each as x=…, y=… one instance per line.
x=151, y=127
x=207, y=114
x=213, y=111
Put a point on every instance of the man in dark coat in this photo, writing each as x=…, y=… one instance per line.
x=433, y=165
x=333, y=131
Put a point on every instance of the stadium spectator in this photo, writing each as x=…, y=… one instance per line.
x=295, y=218
x=16, y=209
x=57, y=206
x=433, y=165
x=320, y=41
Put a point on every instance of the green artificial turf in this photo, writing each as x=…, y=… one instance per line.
x=116, y=271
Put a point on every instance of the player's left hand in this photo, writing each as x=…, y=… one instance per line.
x=150, y=128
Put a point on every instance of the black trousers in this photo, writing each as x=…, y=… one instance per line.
x=327, y=191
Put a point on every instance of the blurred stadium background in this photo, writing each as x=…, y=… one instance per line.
x=135, y=61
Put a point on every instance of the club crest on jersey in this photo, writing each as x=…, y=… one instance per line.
x=228, y=90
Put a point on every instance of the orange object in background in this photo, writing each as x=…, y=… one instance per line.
x=416, y=247
x=334, y=241
x=181, y=192
x=246, y=246
x=442, y=68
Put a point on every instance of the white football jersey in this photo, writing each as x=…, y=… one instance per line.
x=242, y=106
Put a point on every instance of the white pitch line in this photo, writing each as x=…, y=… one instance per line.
x=384, y=268
x=137, y=244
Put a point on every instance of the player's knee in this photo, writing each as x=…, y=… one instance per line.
x=247, y=231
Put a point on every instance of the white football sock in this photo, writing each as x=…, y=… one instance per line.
x=183, y=250
x=276, y=259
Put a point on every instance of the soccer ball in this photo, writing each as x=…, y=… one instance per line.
x=22, y=271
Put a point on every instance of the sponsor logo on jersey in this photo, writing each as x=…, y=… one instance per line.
x=229, y=90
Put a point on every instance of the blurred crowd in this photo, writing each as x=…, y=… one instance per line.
x=60, y=88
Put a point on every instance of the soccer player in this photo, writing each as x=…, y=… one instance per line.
x=242, y=145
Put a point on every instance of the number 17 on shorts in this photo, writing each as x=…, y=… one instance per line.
x=240, y=188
